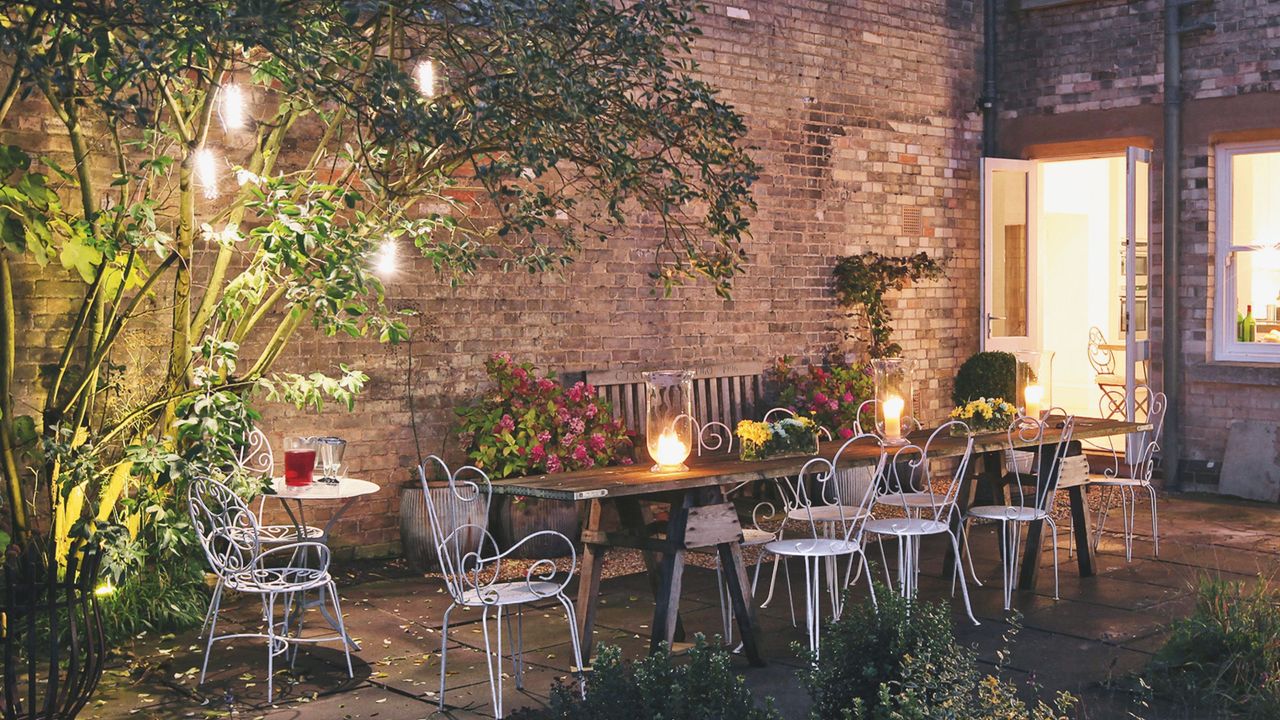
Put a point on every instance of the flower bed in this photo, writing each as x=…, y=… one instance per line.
x=830, y=393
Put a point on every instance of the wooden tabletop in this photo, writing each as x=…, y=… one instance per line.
x=720, y=468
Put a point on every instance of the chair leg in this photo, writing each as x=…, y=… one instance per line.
x=871, y=586
x=271, y=648
x=491, y=657
x=342, y=626
x=969, y=554
x=1104, y=508
x=1128, y=511
x=1155, y=518
x=215, y=603
x=964, y=588
x=1053, y=528
x=573, y=639
x=444, y=650
x=208, y=646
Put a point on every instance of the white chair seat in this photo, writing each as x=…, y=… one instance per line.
x=1104, y=481
x=281, y=534
x=917, y=500
x=1007, y=512
x=510, y=593
x=828, y=513
x=906, y=526
x=1109, y=380
x=752, y=537
x=290, y=579
x=812, y=547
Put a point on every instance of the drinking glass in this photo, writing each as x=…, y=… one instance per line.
x=331, y=452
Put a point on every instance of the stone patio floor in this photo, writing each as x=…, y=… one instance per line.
x=1100, y=632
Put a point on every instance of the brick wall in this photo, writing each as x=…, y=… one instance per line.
x=857, y=112
x=1094, y=70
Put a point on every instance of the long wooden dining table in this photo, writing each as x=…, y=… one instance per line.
x=701, y=515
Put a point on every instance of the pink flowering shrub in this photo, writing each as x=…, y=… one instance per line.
x=527, y=425
x=829, y=393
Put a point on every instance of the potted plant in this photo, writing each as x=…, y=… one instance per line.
x=759, y=440
x=527, y=424
x=989, y=374
x=985, y=415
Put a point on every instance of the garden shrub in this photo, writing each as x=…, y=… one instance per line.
x=656, y=688
x=990, y=374
x=902, y=661
x=1226, y=655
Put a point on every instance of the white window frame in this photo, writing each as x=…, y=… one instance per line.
x=1225, y=346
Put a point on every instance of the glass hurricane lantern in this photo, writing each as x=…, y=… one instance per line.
x=668, y=418
x=1034, y=382
x=894, y=398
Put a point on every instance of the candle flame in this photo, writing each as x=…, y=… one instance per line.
x=671, y=451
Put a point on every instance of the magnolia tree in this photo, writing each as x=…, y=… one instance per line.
x=240, y=169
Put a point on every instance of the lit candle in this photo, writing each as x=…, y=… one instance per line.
x=671, y=451
x=893, y=406
x=1032, y=396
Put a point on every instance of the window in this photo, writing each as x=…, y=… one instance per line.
x=1247, y=324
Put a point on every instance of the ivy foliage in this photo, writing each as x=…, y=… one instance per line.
x=861, y=282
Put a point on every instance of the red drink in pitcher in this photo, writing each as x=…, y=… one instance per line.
x=299, y=465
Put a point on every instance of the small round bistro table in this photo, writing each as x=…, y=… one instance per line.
x=291, y=497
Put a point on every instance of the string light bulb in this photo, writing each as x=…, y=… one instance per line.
x=233, y=115
x=384, y=263
x=425, y=73
x=206, y=170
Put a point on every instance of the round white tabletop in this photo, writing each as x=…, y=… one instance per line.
x=345, y=489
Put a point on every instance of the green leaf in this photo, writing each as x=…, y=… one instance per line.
x=80, y=257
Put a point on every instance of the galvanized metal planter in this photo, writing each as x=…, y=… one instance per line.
x=53, y=644
x=415, y=526
x=516, y=519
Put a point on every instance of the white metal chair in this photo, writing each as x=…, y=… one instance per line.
x=1028, y=435
x=472, y=567
x=1136, y=475
x=923, y=519
x=833, y=532
x=229, y=534
x=255, y=459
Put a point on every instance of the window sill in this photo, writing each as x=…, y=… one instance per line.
x=1236, y=372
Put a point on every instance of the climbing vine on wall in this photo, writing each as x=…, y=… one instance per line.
x=861, y=282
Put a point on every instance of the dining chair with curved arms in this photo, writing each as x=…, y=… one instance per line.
x=471, y=564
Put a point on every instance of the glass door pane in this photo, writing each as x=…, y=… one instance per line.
x=1009, y=254
x=1137, y=282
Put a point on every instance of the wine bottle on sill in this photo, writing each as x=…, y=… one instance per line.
x=1250, y=325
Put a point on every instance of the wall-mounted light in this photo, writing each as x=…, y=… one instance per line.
x=206, y=170
x=233, y=115
x=425, y=74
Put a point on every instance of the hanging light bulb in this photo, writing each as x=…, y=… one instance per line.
x=233, y=115
x=425, y=73
x=384, y=263
x=206, y=169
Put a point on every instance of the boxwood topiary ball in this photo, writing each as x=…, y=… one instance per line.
x=991, y=374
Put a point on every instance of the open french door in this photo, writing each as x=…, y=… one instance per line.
x=1137, y=284
x=1010, y=298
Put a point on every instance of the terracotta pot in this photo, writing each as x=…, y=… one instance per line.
x=515, y=520
x=415, y=526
